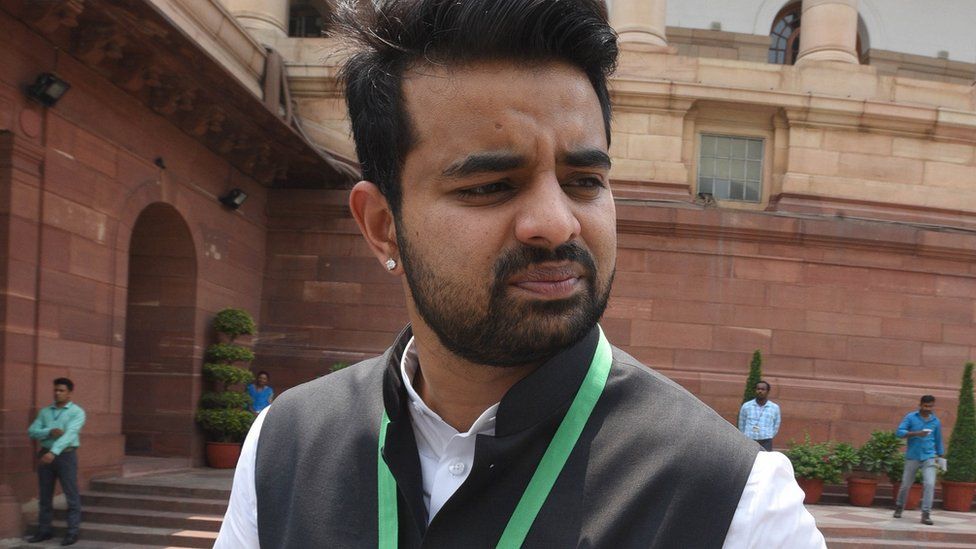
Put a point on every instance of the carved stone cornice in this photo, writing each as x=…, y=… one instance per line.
x=133, y=45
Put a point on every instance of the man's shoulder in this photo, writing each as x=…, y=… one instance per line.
x=654, y=395
x=331, y=394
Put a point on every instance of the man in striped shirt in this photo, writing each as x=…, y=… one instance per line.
x=759, y=417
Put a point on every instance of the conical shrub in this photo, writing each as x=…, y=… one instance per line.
x=755, y=374
x=962, y=443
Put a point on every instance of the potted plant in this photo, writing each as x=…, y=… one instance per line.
x=894, y=476
x=223, y=412
x=959, y=480
x=813, y=465
x=875, y=458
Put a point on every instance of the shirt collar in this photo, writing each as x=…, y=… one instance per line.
x=409, y=364
x=54, y=405
x=549, y=388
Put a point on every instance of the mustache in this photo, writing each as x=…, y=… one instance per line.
x=523, y=257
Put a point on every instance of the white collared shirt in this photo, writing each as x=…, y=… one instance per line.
x=770, y=513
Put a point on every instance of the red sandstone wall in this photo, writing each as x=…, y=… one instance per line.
x=855, y=320
x=73, y=180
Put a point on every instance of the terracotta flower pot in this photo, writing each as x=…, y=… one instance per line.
x=812, y=489
x=860, y=491
x=913, y=498
x=957, y=496
x=223, y=455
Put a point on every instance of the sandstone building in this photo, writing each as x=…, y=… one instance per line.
x=794, y=177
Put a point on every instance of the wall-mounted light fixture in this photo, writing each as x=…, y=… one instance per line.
x=234, y=198
x=48, y=89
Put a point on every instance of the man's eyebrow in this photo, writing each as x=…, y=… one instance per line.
x=484, y=162
x=587, y=158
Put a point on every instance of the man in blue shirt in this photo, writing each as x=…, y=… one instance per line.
x=924, y=433
x=57, y=427
x=759, y=417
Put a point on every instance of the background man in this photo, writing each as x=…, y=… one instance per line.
x=501, y=415
x=759, y=417
x=57, y=427
x=924, y=433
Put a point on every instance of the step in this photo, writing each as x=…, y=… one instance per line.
x=156, y=503
x=140, y=535
x=150, y=518
x=910, y=532
x=864, y=543
x=131, y=486
x=82, y=544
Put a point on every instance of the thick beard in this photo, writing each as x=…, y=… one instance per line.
x=509, y=332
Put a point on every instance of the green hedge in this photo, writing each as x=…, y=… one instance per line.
x=225, y=424
x=755, y=376
x=228, y=352
x=227, y=374
x=234, y=322
x=227, y=399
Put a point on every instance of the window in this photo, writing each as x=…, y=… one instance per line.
x=730, y=168
x=784, y=39
x=304, y=21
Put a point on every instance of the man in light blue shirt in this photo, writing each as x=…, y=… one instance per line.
x=924, y=433
x=57, y=427
x=759, y=417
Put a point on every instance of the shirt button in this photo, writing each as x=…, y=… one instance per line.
x=456, y=468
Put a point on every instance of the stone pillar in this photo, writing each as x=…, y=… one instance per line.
x=640, y=21
x=265, y=17
x=829, y=31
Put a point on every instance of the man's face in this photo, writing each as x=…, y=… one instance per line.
x=507, y=226
x=262, y=380
x=926, y=408
x=62, y=394
x=762, y=391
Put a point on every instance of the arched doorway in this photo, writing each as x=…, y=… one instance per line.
x=160, y=353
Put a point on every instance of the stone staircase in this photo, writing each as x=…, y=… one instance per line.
x=176, y=510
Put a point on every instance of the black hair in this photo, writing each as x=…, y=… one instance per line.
x=398, y=35
x=926, y=399
x=263, y=372
x=766, y=383
x=66, y=382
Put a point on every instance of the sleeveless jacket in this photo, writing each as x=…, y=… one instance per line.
x=654, y=466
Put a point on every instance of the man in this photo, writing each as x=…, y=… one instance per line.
x=57, y=427
x=501, y=416
x=924, y=433
x=759, y=417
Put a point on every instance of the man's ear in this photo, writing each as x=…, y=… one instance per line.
x=375, y=219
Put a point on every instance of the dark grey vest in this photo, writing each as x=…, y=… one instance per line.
x=654, y=466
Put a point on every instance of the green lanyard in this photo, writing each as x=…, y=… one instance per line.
x=545, y=474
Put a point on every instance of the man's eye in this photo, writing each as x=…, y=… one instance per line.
x=584, y=186
x=484, y=190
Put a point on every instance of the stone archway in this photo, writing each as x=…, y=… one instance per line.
x=159, y=394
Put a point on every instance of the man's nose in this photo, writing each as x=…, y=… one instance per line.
x=547, y=217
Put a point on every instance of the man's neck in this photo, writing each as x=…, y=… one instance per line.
x=459, y=391
x=61, y=404
x=761, y=402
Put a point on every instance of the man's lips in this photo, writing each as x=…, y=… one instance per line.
x=549, y=281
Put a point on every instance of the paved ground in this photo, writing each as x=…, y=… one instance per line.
x=880, y=518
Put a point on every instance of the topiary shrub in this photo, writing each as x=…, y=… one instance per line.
x=228, y=352
x=223, y=413
x=234, y=322
x=225, y=424
x=226, y=374
x=337, y=366
x=755, y=375
x=226, y=399
x=962, y=443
